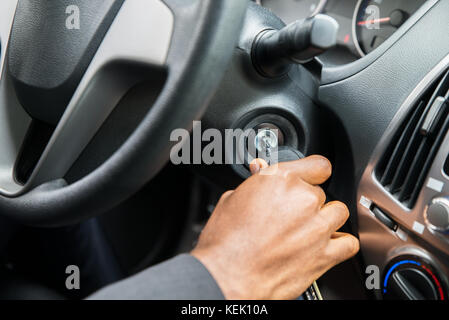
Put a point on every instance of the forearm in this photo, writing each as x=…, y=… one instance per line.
x=181, y=278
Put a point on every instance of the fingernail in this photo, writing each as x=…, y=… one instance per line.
x=254, y=166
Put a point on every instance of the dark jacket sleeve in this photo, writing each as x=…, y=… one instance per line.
x=181, y=278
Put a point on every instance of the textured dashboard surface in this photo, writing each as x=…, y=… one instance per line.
x=367, y=101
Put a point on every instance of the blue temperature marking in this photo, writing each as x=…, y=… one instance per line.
x=394, y=267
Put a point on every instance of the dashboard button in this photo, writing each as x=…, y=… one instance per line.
x=437, y=215
x=384, y=218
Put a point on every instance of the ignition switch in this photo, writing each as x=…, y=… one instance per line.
x=270, y=139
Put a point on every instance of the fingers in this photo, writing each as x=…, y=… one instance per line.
x=335, y=214
x=256, y=165
x=337, y=235
x=314, y=170
x=342, y=246
x=319, y=194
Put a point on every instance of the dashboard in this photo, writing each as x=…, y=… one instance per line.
x=379, y=106
x=364, y=24
x=356, y=115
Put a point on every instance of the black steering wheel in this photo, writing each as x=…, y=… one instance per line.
x=67, y=64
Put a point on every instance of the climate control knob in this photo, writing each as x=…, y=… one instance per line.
x=409, y=277
x=437, y=214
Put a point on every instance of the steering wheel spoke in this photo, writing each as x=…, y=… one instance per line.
x=137, y=41
x=185, y=39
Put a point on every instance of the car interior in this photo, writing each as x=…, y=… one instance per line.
x=90, y=92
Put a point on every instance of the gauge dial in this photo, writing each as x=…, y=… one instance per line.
x=376, y=20
x=292, y=10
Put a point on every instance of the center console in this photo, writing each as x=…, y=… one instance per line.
x=403, y=196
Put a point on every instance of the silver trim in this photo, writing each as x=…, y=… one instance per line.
x=14, y=121
x=7, y=11
x=141, y=32
x=370, y=188
x=354, y=29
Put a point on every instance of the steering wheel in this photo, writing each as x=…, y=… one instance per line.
x=68, y=66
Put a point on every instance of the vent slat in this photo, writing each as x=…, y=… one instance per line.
x=415, y=168
x=408, y=155
x=430, y=158
x=406, y=163
x=393, y=163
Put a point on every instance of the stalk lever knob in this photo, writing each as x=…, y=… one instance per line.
x=275, y=50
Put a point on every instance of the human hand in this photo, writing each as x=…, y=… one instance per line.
x=274, y=235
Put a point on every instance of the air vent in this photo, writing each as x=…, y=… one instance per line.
x=406, y=163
